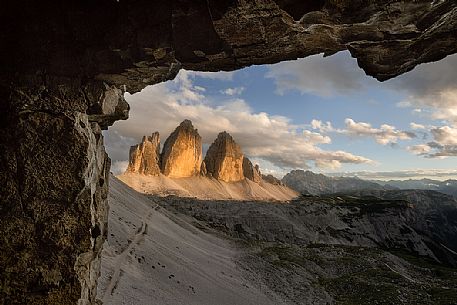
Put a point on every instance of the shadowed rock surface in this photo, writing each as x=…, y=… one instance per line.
x=339, y=249
x=182, y=152
x=65, y=67
x=144, y=158
x=447, y=187
x=317, y=250
x=140, y=43
x=307, y=182
x=272, y=179
x=224, y=159
x=421, y=222
x=250, y=171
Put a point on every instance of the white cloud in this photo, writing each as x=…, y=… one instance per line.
x=438, y=174
x=443, y=151
x=419, y=149
x=200, y=88
x=315, y=137
x=316, y=75
x=432, y=87
x=384, y=135
x=445, y=135
x=430, y=90
x=416, y=126
x=444, y=143
x=322, y=127
x=119, y=167
x=233, y=91
x=117, y=145
x=263, y=136
x=440, y=105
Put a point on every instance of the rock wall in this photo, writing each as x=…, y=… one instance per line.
x=182, y=152
x=250, y=171
x=224, y=159
x=139, y=43
x=144, y=158
x=54, y=176
x=66, y=65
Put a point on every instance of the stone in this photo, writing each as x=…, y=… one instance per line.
x=272, y=179
x=109, y=108
x=54, y=214
x=144, y=158
x=224, y=159
x=118, y=45
x=203, y=170
x=182, y=152
x=251, y=172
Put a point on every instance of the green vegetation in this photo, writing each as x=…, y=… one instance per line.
x=360, y=275
x=283, y=256
x=365, y=204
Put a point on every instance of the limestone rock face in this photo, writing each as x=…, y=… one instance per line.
x=182, y=152
x=224, y=159
x=251, y=172
x=144, y=158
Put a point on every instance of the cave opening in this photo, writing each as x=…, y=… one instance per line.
x=318, y=113
x=66, y=68
x=317, y=126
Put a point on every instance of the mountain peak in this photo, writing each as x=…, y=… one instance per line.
x=224, y=159
x=182, y=152
x=144, y=157
x=187, y=124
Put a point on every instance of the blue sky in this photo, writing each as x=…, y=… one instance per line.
x=370, y=121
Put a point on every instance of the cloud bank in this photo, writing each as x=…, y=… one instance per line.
x=261, y=135
x=438, y=174
x=430, y=89
x=385, y=134
x=337, y=74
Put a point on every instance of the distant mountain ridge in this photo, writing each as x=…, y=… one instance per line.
x=448, y=187
x=318, y=184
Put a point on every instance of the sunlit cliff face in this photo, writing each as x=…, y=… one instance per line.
x=182, y=152
x=224, y=159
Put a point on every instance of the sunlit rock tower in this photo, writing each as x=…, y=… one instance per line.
x=182, y=152
x=144, y=158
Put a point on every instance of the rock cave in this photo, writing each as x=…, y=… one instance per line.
x=65, y=68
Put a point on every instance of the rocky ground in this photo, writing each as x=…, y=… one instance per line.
x=343, y=249
x=337, y=274
x=207, y=188
x=339, y=249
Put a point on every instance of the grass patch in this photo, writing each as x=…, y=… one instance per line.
x=371, y=286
